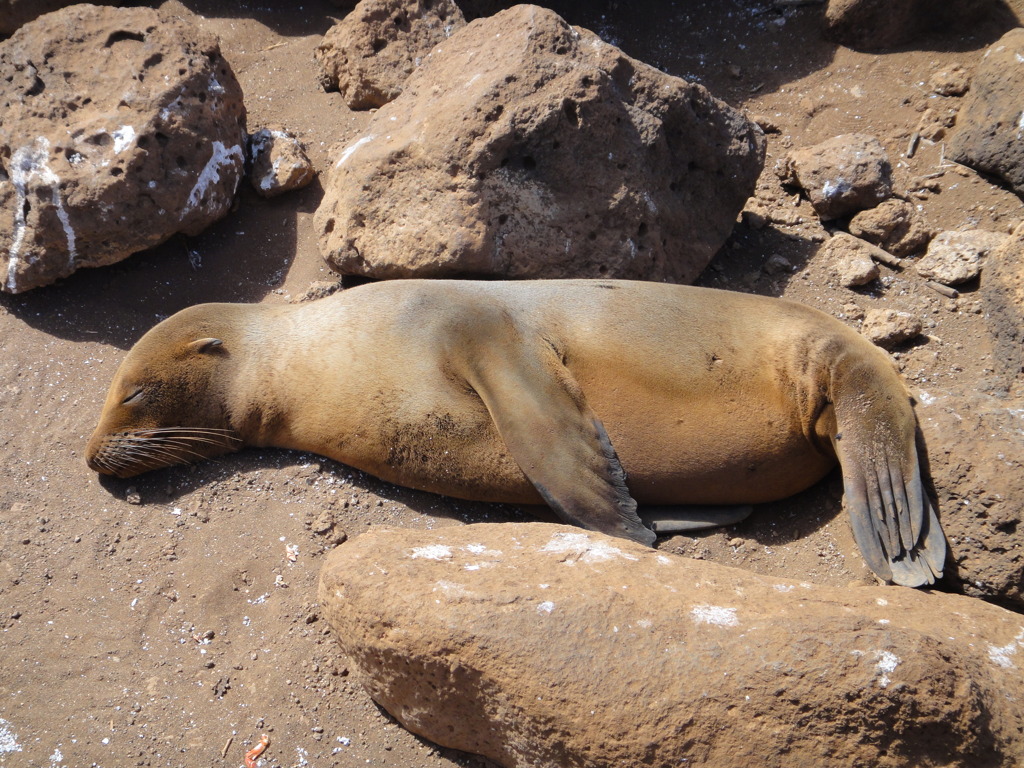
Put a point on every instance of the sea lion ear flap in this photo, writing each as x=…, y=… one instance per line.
x=200, y=346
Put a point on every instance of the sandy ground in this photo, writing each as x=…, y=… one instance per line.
x=158, y=621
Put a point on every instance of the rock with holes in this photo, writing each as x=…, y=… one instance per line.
x=976, y=463
x=889, y=327
x=534, y=644
x=842, y=175
x=278, y=162
x=955, y=257
x=370, y=53
x=991, y=122
x=973, y=434
x=851, y=260
x=121, y=127
x=894, y=225
x=524, y=147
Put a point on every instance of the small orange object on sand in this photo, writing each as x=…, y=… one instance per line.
x=252, y=754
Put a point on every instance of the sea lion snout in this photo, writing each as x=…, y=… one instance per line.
x=161, y=408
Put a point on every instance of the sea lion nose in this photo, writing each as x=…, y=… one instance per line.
x=93, y=455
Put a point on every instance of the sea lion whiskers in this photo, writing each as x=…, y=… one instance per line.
x=132, y=451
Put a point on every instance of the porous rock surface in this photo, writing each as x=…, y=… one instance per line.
x=990, y=124
x=890, y=327
x=954, y=257
x=523, y=147
x=976, y=462
x=841, y=175
x=535, y=644
x=851, y=259
x=894, y=225
x=278, y=162
x=973, y=438
x=121, y=127
x=880, y=24
x=368, y=55
x=1003, y=296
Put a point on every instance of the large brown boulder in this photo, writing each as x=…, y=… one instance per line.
x=523, y=147
x=120, y=127
x=976, y=462
x=974, y=442
x=989, y=125
x=1003, y=295
x=535, y=644
x=368, y=55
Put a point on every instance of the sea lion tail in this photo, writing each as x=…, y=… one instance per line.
x=893, y=520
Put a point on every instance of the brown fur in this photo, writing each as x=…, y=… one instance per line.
x=542, y=391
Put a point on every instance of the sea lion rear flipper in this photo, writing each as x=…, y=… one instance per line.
x=557, y=440
x=893, y=520
x=691, y=517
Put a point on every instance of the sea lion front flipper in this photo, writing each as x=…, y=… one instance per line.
x=664, y=520
x=893, y=520
x=557, y=440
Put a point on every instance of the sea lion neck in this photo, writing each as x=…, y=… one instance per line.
x=277, y=393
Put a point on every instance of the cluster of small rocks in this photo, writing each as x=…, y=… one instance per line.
x=848, y=180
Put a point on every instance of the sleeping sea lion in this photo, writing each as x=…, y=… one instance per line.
x=544, y=392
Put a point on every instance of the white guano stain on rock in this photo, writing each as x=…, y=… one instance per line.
x=211, y=172
x=887, y=661
x=352, y=148
x=833, y=189
x=8, y=739
x=579, y=547
x=1000, y=655
x=481, y=549
x=29, y=164
x=432, y=552
x=451, y=589
x=123, y=137
x=715, y=614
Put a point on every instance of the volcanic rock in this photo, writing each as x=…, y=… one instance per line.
x=279, y=163
x=955, y=257
x=889, y=327
x=369, y=54
x=976, y=462
x=894, y=225
x=1002, y=293
x=851, y=260
x=121, y=127
x=524, y=147
x=989, y=126
x=535, y=644
x=842, y=175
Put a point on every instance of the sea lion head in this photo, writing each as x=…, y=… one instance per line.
x=166, y=404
